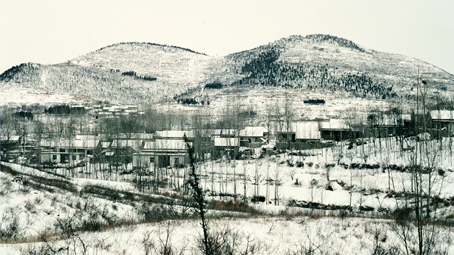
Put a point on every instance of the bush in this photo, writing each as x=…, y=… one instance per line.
x=227, y=241
x=11, y=231
x=65, y=110
x=214, y=85
x=129, y=73
x=41, y=249
x=24, y=115
x=48, y=164
x=148, y=78
x=92, y=224
x=314, y=101
x=157, y=213
x=233, y=205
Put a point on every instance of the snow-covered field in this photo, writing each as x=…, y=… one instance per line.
x=329, y=176
x=28, y=212
x=16, y=96
x=260, y=97
x=263, y=235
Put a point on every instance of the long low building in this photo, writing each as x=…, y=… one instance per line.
x=337, y=130
x=161, y=153
x=68, y=151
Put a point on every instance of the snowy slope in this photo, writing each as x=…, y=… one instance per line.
x=322, y=63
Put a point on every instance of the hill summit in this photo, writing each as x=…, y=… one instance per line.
x=145, y=72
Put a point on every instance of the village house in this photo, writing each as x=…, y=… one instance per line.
x=120, y=147
x=300, y=135
x=443, y=122
x=115, y=111
x=337, y=130
x=253, y=137
x=229, y=145
x=386, y=125
x=68, y=151
x=9, y=146
x=161, y=153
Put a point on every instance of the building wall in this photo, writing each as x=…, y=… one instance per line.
x=143, y=161
x=160, y=160
x=252, y=142
x=339, y=135
x=57, y=157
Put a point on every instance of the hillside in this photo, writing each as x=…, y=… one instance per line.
x=329, y=62
x=125, y=72
x=146, y=73
x=169, y=64
x=96, y=83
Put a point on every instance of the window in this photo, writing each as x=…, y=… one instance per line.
x=74, y=157
x=151, y=159
x=89, y=152
x=54, y=157
x=81, y=156
x=62, y=150
x=177, y=162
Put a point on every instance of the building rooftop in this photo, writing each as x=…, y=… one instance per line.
x=226, y=142
x=253, y=132
x=165, y=144
x=176, y=134
x=334, y=124
x=442, y=115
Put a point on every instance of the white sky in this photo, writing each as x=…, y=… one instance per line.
x=53, y=31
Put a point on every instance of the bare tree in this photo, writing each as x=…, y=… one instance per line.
x=198, y=195
x=8, y=130
x=289, y=112
x=418, y=213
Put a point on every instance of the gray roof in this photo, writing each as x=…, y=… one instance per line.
x=13, y=138
x=165, y=144
x=253, y=131
x=135, y=144
x=176, y=134
x=226, y=142
x=70, y=143
x=334, y=124
x=442, y=115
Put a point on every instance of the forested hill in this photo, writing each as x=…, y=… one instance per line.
x=333, y=63
x=145, y=72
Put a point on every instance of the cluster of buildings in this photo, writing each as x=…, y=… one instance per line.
x=100, y=111
x=169, y=148
x=160, y=149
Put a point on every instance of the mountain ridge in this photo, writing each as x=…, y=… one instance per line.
x=312, y=62
x=151, y=44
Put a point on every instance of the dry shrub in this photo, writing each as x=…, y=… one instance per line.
x=232, y=206
x=226, y=240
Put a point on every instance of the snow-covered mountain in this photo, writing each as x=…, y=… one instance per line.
x=148, y=73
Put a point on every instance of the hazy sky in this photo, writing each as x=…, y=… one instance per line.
x=49, y=32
